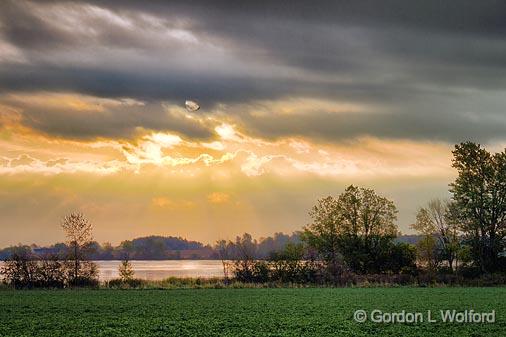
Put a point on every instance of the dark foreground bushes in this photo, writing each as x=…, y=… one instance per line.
x=316, y=273
x=346, y=280
x=283, y=271
x=177, y=283
x=23, y=270
x=125, y=284
x=310, y=273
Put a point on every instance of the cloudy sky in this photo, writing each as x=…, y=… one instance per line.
x=298, y=100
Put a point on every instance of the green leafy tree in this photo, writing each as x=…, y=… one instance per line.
x=479, y=207
x=350, y=228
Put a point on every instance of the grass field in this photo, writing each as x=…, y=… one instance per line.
x=242, y=312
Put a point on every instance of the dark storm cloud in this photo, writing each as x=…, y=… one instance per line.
x=431, y=67
x=450, y=127
x=116, y=123
x=463, y=16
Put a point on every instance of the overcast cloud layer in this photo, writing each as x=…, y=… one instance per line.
x=425, y=70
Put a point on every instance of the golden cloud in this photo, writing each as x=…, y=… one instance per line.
x=166, y=203
x=218, y=198
x=233, y=151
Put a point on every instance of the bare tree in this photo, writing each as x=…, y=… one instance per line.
x=223, y=248
x=78, y=231
x=244, y=255
x=433, y=220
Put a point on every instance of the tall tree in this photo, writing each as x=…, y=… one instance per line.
x=350, y=227
x=79, y=232
x=434, y=220
x=224, y=251
x=365, y=213
x=245, y=253
x=479, y=194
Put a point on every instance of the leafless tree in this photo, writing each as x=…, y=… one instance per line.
x=224, y=250
x=79, y=235
x=433, y=221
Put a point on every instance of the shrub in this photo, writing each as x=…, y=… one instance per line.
x=83, y=282
x=87, y=273
x=51, y=273
x=20, y=270
x=125, y=270
x=131, y=283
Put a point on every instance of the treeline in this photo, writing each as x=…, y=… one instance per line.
x=154, y=248
x=352, y=236
x=145, y=248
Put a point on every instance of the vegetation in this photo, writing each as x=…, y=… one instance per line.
x=479, y=203
x=354, y=234
x=441, y=237
x=25, y=270
x=350, y=241
x=126, y=272
x=156, y=248
x=21, y=270
x=241, y=312
x=355, y=229
x=81, y=271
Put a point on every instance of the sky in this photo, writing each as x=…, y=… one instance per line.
x=298, y=100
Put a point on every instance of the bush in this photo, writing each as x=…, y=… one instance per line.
x=126, y=271
x=24, y=270
x=87, y=270
x=131, y=283
x=83, y=282
x=51, y=273
x=470, y=271
x=20, y=271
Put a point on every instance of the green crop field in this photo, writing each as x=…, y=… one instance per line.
x=243, y=312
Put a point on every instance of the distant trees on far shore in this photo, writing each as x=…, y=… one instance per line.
x=352, y=238
x=156, y=248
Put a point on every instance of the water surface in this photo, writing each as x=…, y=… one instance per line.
x=160, y=269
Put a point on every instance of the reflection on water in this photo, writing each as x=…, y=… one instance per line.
x=157, y=270
x=160, y=269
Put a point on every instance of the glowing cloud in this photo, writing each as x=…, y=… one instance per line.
x=218, y=198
